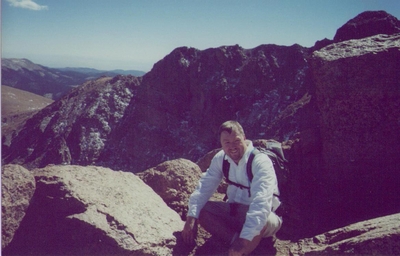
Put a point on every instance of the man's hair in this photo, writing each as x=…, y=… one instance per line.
x=230, y=126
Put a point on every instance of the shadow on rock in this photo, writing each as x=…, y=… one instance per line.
x=213, y=246
x=182, y=248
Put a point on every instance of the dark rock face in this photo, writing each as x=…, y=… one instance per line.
x=358, y=94
x=75, y=128
x=94, y=211
x=368, y=24
x=304, y=187
x=17, y=188
x=188, y=94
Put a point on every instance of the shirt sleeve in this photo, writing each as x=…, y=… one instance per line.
x=262, y=188
x=207, y=186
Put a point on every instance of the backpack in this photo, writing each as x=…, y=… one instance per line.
x=274, y=151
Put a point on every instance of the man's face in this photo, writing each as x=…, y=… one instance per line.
x=233, y=144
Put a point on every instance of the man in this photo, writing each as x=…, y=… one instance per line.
x=248, y=215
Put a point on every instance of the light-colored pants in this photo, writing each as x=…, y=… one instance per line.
x=234, y=215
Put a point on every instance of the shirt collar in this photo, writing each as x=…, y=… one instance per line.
x=249, y=149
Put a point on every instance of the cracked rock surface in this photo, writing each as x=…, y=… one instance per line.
x=95, y=211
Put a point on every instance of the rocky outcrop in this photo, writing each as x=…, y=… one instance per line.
x=358, y=95
x=74, y=129
x=174, y=181
x=186, y=96
x=368, y=24
x=94, y=211
x=17, y=188
x=380, y=236
x=365, y=24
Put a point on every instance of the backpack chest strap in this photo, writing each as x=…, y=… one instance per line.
x=226, y=167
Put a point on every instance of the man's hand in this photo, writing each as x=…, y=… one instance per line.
x=238, y=247
x=189, y=231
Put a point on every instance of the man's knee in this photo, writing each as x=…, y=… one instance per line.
x=214, y=211
x=204, y=217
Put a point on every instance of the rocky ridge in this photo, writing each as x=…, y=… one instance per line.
x=187, y=95
x=75, y=128
x=368, y=24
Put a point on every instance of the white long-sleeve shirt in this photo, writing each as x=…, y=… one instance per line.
x=262, y=188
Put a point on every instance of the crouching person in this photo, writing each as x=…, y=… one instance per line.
x=248, y=214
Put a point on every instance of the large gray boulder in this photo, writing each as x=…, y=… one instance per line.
x=95, y=211
x=17, y=188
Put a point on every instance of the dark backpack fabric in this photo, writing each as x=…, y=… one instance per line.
x=274, y=152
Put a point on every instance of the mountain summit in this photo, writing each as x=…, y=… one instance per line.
x=336, y=110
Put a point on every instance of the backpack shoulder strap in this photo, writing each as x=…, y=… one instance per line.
x=249, y=163
x=225, y=168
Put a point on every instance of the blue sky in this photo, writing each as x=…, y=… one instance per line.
x=135, y=34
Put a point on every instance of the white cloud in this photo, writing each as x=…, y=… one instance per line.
x=28, y=4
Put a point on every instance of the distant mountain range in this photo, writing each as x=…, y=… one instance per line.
x=96, y=72
x=52, y=83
